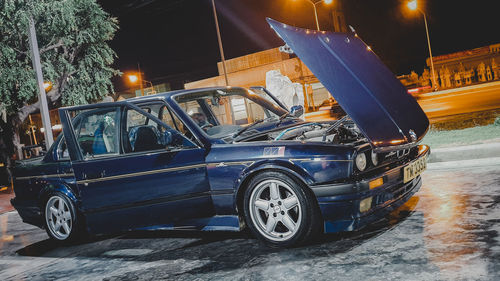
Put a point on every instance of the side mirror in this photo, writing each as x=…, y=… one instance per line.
x=297, y=110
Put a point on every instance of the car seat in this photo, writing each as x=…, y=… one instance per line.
x=144, y=138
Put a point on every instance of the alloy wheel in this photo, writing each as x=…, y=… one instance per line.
x=275, y=210
x=58, y=218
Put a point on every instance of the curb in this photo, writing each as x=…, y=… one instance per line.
x=466, y=152
x=492, y=163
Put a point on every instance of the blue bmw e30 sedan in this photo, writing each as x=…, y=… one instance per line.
x=225, y=158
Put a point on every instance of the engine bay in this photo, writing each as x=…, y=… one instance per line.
x=342, y=131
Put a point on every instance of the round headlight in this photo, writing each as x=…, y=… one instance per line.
x=374, y=159
x=361, y=162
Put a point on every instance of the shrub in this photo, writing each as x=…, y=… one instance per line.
x=497, y=121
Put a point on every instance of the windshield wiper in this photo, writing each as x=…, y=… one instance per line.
x=247, y=127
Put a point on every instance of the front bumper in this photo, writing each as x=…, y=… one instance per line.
x=340, y=203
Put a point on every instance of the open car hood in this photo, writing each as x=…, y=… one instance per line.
x=362, y=85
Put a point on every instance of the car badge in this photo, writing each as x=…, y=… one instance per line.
x=413, y=136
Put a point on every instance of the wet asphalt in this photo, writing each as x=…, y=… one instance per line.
x=448, y=231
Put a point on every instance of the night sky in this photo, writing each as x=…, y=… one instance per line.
x=175, y=40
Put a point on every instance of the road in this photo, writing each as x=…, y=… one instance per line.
x=448, y=231
x=442, y=105
x=469, y=99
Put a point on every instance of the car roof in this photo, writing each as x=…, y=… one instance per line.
x=159, y=96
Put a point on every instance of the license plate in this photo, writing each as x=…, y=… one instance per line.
x=414, y=169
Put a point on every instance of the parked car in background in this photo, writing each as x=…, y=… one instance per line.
x=226, y=158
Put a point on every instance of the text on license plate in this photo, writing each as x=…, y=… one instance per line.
x=414, y=169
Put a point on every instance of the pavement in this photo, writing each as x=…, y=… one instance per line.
x=448, y=231
x=5, y=205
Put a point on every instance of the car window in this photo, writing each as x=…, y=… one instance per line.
x=134, y=118
x=142, y=134
x=96, y=132
x=221, y=113
x=162, y=112
x=62, y=150
x=172, y=120
x=165, y=116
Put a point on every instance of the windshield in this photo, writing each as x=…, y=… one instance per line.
x=224, y=112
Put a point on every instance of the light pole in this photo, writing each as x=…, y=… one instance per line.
x=412, y=5
x=42, y=98
x=315, y=10
x=220, y=43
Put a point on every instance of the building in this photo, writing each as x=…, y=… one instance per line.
x=158, y=88
x=250, y=70
x=467, y=67
x=458, y=69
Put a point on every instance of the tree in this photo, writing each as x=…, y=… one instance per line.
x=73, y=38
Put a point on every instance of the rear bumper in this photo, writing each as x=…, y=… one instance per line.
x=29, y=212
x=340, y=204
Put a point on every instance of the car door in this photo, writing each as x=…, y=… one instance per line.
x=133, y=170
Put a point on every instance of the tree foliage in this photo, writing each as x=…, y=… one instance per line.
x=73, y=38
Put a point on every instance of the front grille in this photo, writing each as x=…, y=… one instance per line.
x=388, y=161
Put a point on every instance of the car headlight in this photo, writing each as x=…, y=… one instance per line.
x=361, y=161
x=374, y=158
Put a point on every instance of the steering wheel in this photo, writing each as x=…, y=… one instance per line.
x=206, y=126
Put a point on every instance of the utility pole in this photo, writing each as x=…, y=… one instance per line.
x=140, y=79
x=220, y=43
x=42, y=98
x=434, y=83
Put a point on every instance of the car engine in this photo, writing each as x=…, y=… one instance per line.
x=341, y=131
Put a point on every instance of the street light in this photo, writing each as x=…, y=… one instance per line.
x=133, y=78
x=327, y=2
x=47, y=86
x=412, y=5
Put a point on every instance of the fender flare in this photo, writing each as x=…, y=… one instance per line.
x=277, y=165
x=51, y=187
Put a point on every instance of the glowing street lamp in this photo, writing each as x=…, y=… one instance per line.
x=133, y=78
x=137, y=78
x=47, y=86
x=412, y=5
x=314, y=3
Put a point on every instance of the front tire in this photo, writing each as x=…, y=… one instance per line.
x=280, y=211
x=61, y=222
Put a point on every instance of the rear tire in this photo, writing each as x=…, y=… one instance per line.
x=280, y=211
x=61, y=220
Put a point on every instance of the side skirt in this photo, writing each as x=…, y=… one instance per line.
x=221, y=223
